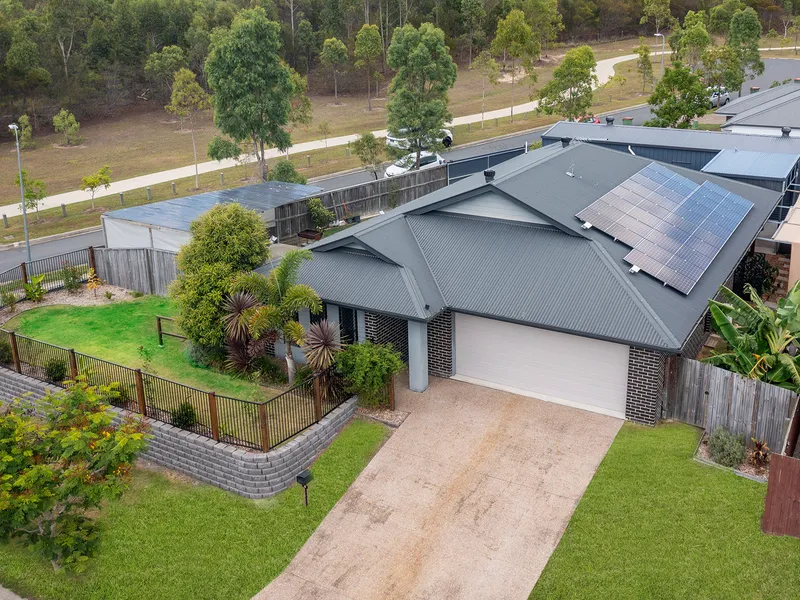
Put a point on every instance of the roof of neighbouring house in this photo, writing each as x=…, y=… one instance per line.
x=753, y=100
x=513, y=249
x=689, y=139
x=179, y=213
x=783, y=111
x=757, y=165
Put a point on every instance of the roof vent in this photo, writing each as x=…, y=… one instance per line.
x=786, y=131
x=571, y=171
x=489, y=175
x=565, y=142
x=797, y=79
x=754, y=89
x=609, y=120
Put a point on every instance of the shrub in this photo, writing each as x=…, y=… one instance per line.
x=271, y=371
x=137, y=294
x=759, y=455
x=55, y=370
x=320, y=216
x=725, y=448
x=9, y=299
x=56, y=471
x=367, y=369
x=201, y=356
x=108, y=294
x=201, y=295
x=71, y=277
x=302, y=372
x=285, y=171
x=185, y=416
x=66, y=123
x=34, y=290
x=6, y=357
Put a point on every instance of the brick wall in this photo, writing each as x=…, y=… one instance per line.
x=244, y=472
x=646, y=372
x=440, y=345
x=381, y=329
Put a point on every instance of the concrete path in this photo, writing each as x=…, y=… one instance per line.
x=466, y=500
x=605, y=70
x=8, y=595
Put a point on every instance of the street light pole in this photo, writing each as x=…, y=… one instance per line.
x=15, y=128
x=661, y=35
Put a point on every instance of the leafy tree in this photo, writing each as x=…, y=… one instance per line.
x=334, y=56
x=487, y=66
x=678, y=98
x=285, y=171
x=618, y=80
x=320, y=216
x=694, y=42
x=58, y=470
x=92, y=183
x=25, y=132
x=200, y=295
x=369, y=47
x=644, y=66
x=306, y=41
x=719, y=17
x=569, y=93
x=656, y=11
x=472, y=12
x=515, y=40
x=35, y=191
x=545, y=21
x=424, y=71
x=221, y=149
x=65, y=122
x=67, y=21
x=369, y=151
x=162, y=66
x=721, y=68
x=253, y=88
x=745, y=33
x=280, y=298
x=187, y=101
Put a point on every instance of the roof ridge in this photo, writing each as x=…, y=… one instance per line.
x=413, y=290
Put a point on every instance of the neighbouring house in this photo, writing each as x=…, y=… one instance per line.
x=165, y=225
x=568, y=274
x=758, y=98
x=773, y=112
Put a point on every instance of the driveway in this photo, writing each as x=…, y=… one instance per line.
x=467, y=499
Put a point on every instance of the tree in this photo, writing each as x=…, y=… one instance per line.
x=57, y=470
x=424, y=72
x=694, y=42
x=35, y=192
x=253, y=88
x=220, y=148
x=644, y=66
x=92, y=183
x=787, y=18
x=545, y=21
x=187, y=101
x=721, y=68
x=162, y=66
x=25, y=132
x=200, y=295
x=569, y=93
x=334, y=55
x=745, y=33
x=320, y=216
x=67, y=21
x=285, y=171
x=306, y=41
x=370, y=152
x=487, y=66
x=719, y=17
x=472, y=13
x=515, y=40
x=325, y=130
x=618, y=80
x=65, y=122
x=656, y=11
x=678, y=98
x=279, y=298
x=369, y=47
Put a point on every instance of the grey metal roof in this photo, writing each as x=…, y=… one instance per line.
x=558, y=277
x=778, y=112
x=743, y=103
x=691, y=139
x=759, y=165
x=179, y=213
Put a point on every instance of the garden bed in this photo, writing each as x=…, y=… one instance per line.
x=82, y=297
x=744, y=469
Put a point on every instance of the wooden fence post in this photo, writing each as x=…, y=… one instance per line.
x=160, y=332
x=262, y=417
x=140, y=393
x=15, y=351
x=317, y=399
x=92, y=264
x=73, y=365
x=24, y=268
x=212, y=408
x=391, y=393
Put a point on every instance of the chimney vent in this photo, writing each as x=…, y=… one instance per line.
x=489, y=175
x=565, y=141
x=786, y=131
x=609, y=120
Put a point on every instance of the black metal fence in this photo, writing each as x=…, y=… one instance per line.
x=52, y=269
x=247, y=423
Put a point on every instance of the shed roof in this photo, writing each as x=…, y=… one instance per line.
x=743, y=103
x=756, y=165
x=551, y=274
x=778, y=112
x=179, y=213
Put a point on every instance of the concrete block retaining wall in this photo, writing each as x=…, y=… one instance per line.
x=244, y=472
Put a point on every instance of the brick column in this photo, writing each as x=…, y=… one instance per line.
x=440, y=345
x=646, y=376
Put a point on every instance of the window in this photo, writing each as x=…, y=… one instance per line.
x=321, y=316
x=348, y=325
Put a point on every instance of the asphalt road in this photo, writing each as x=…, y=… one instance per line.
x=777, y=69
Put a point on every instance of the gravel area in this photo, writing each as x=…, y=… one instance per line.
x=83, y=297
x=392, y=418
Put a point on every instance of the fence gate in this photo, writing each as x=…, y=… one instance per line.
x=782, y=505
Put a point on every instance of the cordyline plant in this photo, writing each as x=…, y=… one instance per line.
x=762, y=343
x=241, y=348
x=57, y=468
x=322, y=344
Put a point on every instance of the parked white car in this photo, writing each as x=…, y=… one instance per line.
x=718, y=97
x=401, y=142
x=427, y=160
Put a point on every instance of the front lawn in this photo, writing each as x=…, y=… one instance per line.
x=176, y=539
x=653, y=523
x=115, y=331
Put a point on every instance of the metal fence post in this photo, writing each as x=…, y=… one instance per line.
x=317, y=399
x=140, y=393
x=212, y=408
x=15, y=351
x=391, y=392
x=73, y=364
x=262, y=417
x=24, y=268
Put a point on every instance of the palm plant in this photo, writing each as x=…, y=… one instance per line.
x=322, y=343
x=762, y=343
x=278, y=300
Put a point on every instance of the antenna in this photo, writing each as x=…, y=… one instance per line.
x=571, y=171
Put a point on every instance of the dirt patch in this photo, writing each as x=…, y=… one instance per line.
x=83, y=297
x=63, y=147
x=172, y=476
x=96, y=209
x=392, y=418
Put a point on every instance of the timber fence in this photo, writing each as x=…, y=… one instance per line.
x=145, y=270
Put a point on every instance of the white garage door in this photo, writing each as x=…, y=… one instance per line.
x=581, y=372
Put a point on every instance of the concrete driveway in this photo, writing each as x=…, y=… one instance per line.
x=467, y=499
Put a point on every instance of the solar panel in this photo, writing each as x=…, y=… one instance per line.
x=674, y=226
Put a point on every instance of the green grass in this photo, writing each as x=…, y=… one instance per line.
x=173, y=540
x=115, y=331
x=653, y=523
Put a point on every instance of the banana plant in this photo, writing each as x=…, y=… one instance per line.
x=761, y=342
